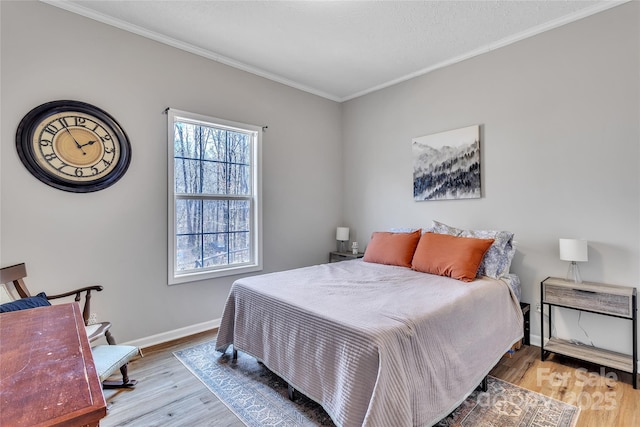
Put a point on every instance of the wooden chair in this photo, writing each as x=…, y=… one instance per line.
x=12, y=283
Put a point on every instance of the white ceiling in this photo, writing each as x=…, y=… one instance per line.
x=337, y=49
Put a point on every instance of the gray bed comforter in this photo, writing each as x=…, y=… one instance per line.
x=375, y=345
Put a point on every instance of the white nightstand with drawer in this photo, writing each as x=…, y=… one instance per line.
x=599, y=298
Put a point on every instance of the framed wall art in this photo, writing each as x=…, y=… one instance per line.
x=446, y=165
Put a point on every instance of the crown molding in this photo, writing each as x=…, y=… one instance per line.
x=187, y=47
x=600, y=7
x=105, y=19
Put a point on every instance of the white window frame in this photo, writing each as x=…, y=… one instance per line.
x=177, y=277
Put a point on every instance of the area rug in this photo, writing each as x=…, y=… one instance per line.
x=259, y=398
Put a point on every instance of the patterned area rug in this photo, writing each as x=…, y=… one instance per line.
x=259, y=398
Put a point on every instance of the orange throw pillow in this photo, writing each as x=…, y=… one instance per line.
x=451, y=256
x=392, y=248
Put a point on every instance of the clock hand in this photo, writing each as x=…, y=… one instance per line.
x=88, y=143
x=72, y=137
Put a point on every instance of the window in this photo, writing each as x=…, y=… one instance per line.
x=214, y=197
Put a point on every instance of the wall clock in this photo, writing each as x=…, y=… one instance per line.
x=73, y=146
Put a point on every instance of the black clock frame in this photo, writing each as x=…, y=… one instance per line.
x=24, y=146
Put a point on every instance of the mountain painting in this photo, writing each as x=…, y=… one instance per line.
x=446, y=165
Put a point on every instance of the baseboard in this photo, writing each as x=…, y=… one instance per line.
x=174, y=334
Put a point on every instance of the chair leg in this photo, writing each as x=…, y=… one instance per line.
x=124, y=372
x=125, y=383
x=110, y=338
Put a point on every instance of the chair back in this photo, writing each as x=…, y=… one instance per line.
x=12, y=286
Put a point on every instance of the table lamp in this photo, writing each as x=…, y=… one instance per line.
x=342, y=236
x=573, y=250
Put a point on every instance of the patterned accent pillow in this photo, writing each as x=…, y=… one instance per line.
x=497, y=260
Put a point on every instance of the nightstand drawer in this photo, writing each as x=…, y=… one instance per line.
x=582, y=297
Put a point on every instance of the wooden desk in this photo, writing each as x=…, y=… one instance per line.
x=47, y=375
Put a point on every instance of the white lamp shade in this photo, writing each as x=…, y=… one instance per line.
x=573, y=250
x=342, y=233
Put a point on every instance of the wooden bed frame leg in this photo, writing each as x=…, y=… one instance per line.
x=291, y=392
x=483, y=385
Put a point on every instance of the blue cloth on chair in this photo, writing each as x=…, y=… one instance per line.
x=39, y=300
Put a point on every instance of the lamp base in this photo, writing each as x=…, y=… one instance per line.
x=342, y=245
x=573, y=274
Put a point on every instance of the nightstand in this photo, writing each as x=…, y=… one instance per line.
x=598, y=298
x=336, y=256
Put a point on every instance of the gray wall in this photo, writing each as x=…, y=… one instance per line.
x=560, y=153
x=560, y=158
x=117, y=237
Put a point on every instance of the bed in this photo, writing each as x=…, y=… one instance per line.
x=374, y=344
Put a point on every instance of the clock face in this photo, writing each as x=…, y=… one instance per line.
x=73, y=146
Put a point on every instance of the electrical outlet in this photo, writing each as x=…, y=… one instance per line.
x=93, y=318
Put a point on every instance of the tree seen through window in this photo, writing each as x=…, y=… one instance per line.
x=213, y=189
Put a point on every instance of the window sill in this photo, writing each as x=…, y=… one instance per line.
x=212, y=274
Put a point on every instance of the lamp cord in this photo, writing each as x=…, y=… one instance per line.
x=584, y=330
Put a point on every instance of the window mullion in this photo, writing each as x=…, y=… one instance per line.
x=184, y=196
x=227, y=180
x=202, y=232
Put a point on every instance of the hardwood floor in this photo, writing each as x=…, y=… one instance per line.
x=167, y=394
x=605, y=396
